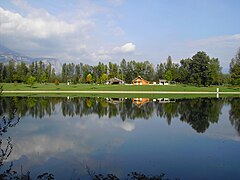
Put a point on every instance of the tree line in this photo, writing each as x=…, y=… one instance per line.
x=200, y=70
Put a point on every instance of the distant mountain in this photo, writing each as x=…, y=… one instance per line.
x=7, y=51
x=56, y=64
x=7, y=54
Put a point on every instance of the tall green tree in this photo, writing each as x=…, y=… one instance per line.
x=168, y=75
x=43, y=78
x=235, y=69
x=31, y=80
x=21, y=72
x=130, y=72
x=10, y=71
x=113, y=70
x=184, y=70
x=1, y=71
x=123, y=68
x=53, y=75
x=199, y=69
x=103, y=78
x=160, y=71
x=48, y=72
x=64, y=73
x=89, y=78
x=215, y=71
x=149, y=71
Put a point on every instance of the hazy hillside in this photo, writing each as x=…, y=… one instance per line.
x=7, y=54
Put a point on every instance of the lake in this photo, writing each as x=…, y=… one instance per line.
x=72, y=138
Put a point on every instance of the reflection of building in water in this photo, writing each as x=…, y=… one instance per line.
x=165, y=100
x=115, y=100
x=140, y=101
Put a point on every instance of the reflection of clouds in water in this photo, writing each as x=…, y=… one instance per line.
x=128, y=126
x=223, y=135
x=223, y=129
x=42, y=139
x=104, y=122
x=39, y=148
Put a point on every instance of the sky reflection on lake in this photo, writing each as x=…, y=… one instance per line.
x=189, y=138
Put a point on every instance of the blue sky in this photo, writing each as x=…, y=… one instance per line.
x=91, y=31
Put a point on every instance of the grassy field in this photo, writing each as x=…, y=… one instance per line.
x=152, y=96
x=92, y=87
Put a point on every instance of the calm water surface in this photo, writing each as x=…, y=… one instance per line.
x=70, y=137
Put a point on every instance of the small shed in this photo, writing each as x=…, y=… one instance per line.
x=115, y=81
x=140, y=81
x=163, y=82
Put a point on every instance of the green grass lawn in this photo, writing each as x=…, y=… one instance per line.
x=92, y=87
x=109, y=95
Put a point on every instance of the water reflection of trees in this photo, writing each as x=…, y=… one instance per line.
x=198, y=112
x=234, y=114
x=99, y=106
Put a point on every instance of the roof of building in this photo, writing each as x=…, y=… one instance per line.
x=114, y=80
x=139, y=77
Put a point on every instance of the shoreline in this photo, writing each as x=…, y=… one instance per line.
x=116, y=92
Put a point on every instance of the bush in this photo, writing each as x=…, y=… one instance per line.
x=31, y=80
x=56, y=82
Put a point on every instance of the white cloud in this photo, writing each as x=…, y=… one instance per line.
x=222, y=47
x=71, y=35
x=37, y=33
x=218, y=41
x=126, y=48
x=33, y=25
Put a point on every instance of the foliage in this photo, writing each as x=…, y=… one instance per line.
x=89, y=78
x=43, y=78
x=168, y=76
x=200, y=70
x=56, y=82
x=132, y=175
x=235, y=69
x=31, y=80
x=234, y=114
x=1, y=88
x=103, y=78
x=47, y=176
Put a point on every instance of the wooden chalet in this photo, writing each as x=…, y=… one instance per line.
x=140, y=81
